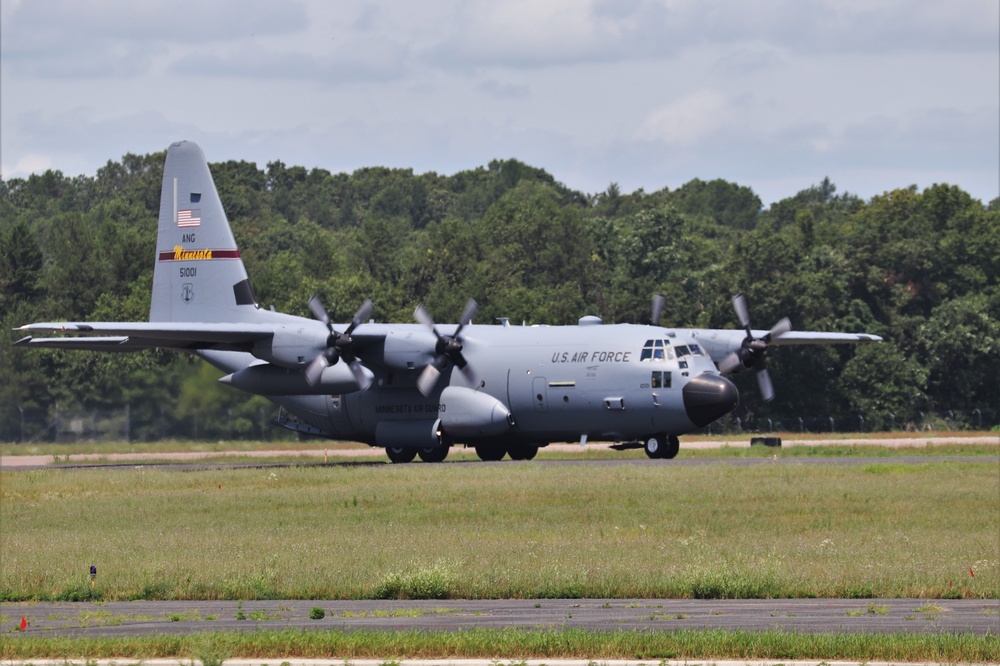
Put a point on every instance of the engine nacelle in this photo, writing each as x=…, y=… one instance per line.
x=292, y=346
x=466, y=413
x=268, y=379
x=409, y=350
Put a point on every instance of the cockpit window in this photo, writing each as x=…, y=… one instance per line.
x=657, y=350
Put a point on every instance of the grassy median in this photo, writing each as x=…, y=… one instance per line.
x=514, y=645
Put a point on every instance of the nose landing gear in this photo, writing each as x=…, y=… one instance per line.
x=662, y=446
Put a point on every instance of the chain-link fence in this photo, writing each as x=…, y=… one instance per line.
x=976, y=419
x=32, y=425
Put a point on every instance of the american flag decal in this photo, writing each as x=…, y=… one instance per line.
x=189, y=218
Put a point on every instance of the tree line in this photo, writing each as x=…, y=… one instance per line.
x=919, y=268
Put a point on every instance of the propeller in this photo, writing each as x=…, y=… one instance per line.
x=659, y=302
x=448, y=349
x=338, y=345
x=752, y=351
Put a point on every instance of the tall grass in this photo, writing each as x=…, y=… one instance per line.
x=503, y=531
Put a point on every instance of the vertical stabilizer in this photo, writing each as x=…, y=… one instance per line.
x=199, y=276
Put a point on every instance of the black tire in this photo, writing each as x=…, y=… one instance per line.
x=672, y=447
x=654, y=446
x=490, y=453
x=433, y=454
x=400, y=454
x=522, y=451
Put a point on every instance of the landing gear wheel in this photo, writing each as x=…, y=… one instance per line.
x=398, y=454
x=522, y=451
x=490, y=453
x=672, y=446
x=433, y=454
x=654, y=446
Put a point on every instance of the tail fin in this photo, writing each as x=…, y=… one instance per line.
x=199, y=275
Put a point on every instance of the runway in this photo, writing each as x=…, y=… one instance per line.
x=920, y=616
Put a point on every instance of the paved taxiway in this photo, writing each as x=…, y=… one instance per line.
x=167, y=462
x=800, y=615
x=922, y=440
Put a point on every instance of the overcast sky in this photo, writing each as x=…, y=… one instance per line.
x=645, y=93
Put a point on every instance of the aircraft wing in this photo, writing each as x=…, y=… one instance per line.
x=134, y=336
x=722, y=343
x=819, y=338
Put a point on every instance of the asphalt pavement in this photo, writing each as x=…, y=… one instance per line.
x=137, y=618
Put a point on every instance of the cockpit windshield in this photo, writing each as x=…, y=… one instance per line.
x=662, y=350
x=657, y=350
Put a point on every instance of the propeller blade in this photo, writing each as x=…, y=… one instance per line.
x=740, y=305
x=765, y=386
x=779, y=329
x=362, y=374
x=315, y=369
x=423, y=317
x=470, y=311
x=471, y=308
x=428, y=379
x=318, y=311
x=362, y=315
x=730, y=363
x=470, y=375
x=659, y=302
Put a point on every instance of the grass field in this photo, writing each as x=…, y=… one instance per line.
x=339, y=646
x=496, y=531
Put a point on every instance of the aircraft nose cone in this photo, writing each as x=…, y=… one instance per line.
x=708, y=397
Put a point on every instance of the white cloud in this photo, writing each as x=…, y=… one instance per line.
x=647, y=93
x=689, y=119
x=27, y=164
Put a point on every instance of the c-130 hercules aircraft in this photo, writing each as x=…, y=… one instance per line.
x=418, y=389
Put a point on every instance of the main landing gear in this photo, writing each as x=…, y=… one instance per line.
x=405, y=454
x=400, y=454
x=662, y=446
x=494, y=452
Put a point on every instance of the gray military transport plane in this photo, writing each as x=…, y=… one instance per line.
x=417, y=389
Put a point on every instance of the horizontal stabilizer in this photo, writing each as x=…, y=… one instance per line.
x=89, y=344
